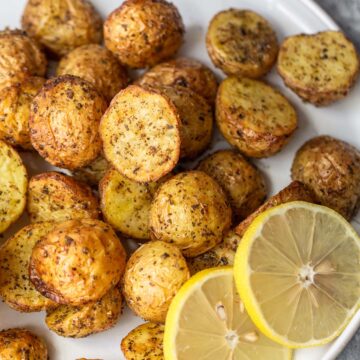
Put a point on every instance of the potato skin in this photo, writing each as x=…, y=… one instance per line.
x=190, y=211
x=64, y=122
x=97, y=65
x=331, y=168
x=92, y=174
x=242, y=182
x=143, y=33
x=19, y=344
x=78, y=262
x=62, y=26
x=153, y=275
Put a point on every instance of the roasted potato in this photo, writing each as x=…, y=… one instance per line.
x=143, y=33
x=53, y=196
x=153, y=275
x=254, y=117
x=64, y=122
x=331, y=168
x=21, y=344
x=144, y=342
x=92, y=173
x=242, y=182
x=295, y=191
x=97, y=65
x=241, y=43
x=20, y=57
x=92, y=318
x=13, y=186
x=15, y=287
x=184, y=72
x=141, y=134
x=320, y=68
x=78, y=262
x=190, y=211
x=62, y=26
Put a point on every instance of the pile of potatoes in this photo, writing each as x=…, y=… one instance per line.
x=123, y=141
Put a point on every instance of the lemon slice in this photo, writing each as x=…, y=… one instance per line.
x=297, y=270
x=207, y=321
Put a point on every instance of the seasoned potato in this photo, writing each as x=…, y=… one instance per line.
x=21, y=344
x=331, y=168
x=92, y=173
x=81, y=321
x=241, y=43
x=64, y=122
x=144, y=342
x=97, y=65
x=20, y=57
x=153, y=275
x=241, y=181
x=143, y=33
x=191, y=211
x=53, y=196
x=78, y=262
x=320, y=68
x=15, y=101
x=125, y=203
x=184, y=72
x=15, y=286
x=13, y=185
x=254, y=117
x=295, y=191
x=141, y=134
x=62, y=26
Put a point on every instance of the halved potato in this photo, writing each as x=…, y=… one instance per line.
x=92, y=173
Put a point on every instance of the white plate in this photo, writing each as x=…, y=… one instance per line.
x=340, y=120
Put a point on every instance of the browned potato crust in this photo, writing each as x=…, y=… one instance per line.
x=21, y=344
x=53, y=196
x=141, y=134
x=97, y=65
x=143, y=33
x=64, y=122
x=320, y=68
x=153, y=275
x=331, y=168
x=144, y=342
x=191, y=211
x=295, y=191
x=241, y=43
x=186, y=72
x=62, y=26
x=92, y=173
x=242, y=182
x=254, y=117
x=92, y=318
x=78, y=262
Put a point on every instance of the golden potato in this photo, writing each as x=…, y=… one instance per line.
x=92, y=318
x=62, y=26
x=331, y=168
x=20, y=57
x=141, y=134
x=53, y=196
x=143, y=33
x=13, y=186
x=64, y=122
x=242, y=182
x=21, y=344
x=153, y=275
x=320, y=68
x=144, y=342
x=190, y=211
x=186, y=72
x=241, y=43
x=97, y=65
x=254, y=117
x=78, y=262
x=15, y=287
x=92, y=173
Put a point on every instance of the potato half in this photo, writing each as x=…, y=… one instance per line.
x=92, y=174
